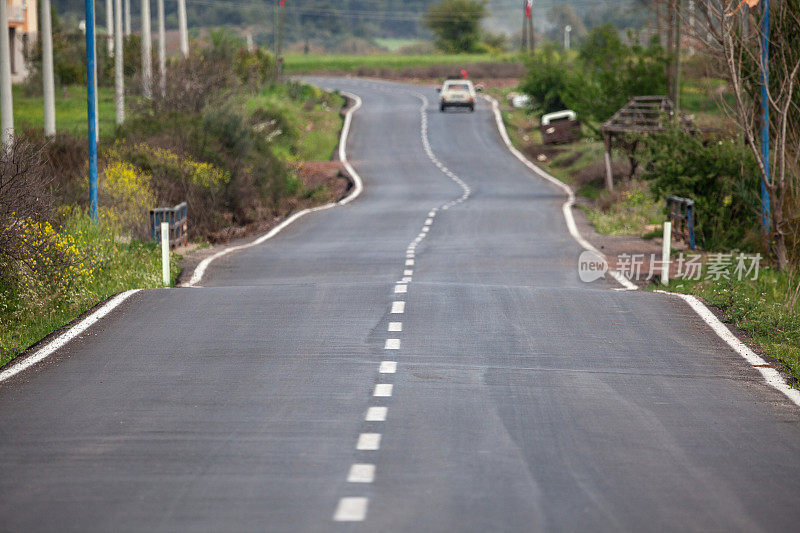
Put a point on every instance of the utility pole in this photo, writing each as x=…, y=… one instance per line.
x=281, y=19
x=567, y=29
x=524, y=27
x=127, y=17
x=162, y=50
x=94, y=51
x=147, y=54
x=119, y=65
x=182, y=28
x=765, y=208
x=676, y=61
x=6, y=99
x=531, y=33
x=691, y=27
x=48, y=85
x=110, y=28
x=91, y=103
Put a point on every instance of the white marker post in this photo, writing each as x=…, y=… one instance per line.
x=665, y=252
x=165, y=252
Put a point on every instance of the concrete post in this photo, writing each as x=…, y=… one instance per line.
x=48, y=84
x=666, y=250
x=184, y=33
x=165, y=253
x=147, y=52
x=119, y=64
x=162, y=50
x=127, y=17
x=110, y=28
x=6, y=98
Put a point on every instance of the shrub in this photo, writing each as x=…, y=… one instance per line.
x=177, y=178
x=127, y=196
x=546, y=80
x=720, y=175
x=606, y=74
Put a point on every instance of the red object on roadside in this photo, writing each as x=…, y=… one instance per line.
x=528, y=8
x=464, y=73
x=281, y=2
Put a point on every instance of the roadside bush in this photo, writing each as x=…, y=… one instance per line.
x=606, y=74
x=176, y=178
x=27, y=241
x=254, y=68
x=546, y=81
x=720, y=175
x=126, y=196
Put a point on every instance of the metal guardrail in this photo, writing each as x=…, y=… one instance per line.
x=178, y=222
x=682, y=216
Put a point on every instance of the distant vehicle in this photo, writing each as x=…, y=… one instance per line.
x=457, y=93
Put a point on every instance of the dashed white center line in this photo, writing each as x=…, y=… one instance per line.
x=409, y=262
x=392, y=344
x=400, y=289
x=388, y=367
x=408, y=272
x=383, y=390
x=398, y=307
x=395, y=326
x=369, y=441
x=361, y=473
x=432, y=213
x=406, y=279
x=351, y=510
x=429, y=222
x=426, y=229
x=376, y=414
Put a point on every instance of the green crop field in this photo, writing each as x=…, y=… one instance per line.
x=301, y=63
x=70, y=110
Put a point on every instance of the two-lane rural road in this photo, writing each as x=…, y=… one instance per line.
x=395, y=365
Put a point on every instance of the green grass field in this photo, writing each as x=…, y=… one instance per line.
x=71, y=110
x=299, y=63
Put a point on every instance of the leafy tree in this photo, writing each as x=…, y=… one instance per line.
x=606, y=74
x=610, y=72
x=456, y=24
x=546, y=80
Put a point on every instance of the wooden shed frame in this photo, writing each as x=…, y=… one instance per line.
x=642, y=114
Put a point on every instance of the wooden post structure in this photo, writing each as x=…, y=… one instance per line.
x=609, y=173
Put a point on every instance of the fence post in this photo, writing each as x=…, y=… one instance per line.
x=165, y=253
x=665, y=252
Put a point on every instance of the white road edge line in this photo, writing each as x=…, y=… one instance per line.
x=67, y=336
x=200, y=269
x=772, y=377
x=566, y=207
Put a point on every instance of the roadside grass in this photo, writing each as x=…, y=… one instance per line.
x=30, y=310
x=305, y=63
x=766, y=309
x=314, y=123
x=632, y=210
x=71, y=111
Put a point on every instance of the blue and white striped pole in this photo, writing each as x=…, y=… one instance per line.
x=91, y=104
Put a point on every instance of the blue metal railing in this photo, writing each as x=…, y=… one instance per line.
x=178, y=222
x=682, y=216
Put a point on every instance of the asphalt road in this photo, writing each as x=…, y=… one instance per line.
x=522, y=398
